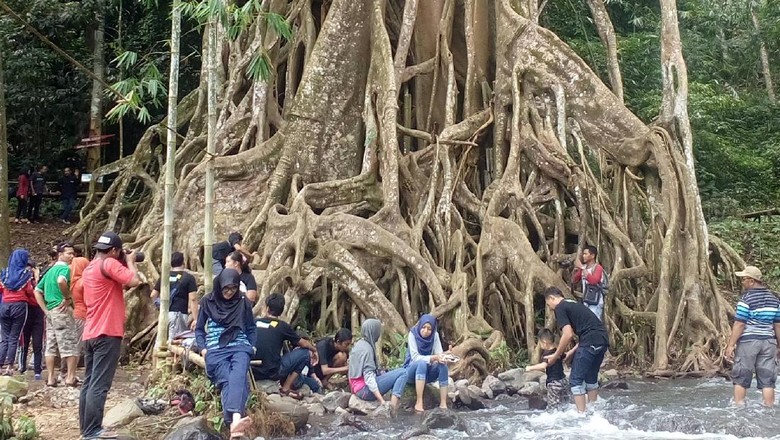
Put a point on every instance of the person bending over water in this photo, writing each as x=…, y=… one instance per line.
x=576, y=319
x=364, y=379
x=558, y=391
x=226, y=333
x=424, y=362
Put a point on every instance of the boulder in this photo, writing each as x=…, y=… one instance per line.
x=356, y=422
x=611, y=374
x=13, y=386
x=444, y=419
x=193, y=428
x=357, y=405
x=462, y=383
x=268, y=386
x=492, y=387
x=531, y=389
x=430, y=397
x=615, y=385
x=336, y=399
x=315, y=409
x=291, y=408
x=122, y=414
x=472, y=393
x=536, y=402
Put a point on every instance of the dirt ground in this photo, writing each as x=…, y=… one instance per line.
x=56, y=410
x=38, y=238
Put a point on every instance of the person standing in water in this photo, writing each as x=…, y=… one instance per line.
x=754, y=338
x=575, y=319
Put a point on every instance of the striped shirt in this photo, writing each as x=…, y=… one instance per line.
x=759, y=309
x=214, y=331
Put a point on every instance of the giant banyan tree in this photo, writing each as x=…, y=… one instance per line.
x=443, y=156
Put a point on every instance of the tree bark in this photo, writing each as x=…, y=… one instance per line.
x=211, y=149
x=99, y=69
x=5, y=236
x=607, y=34
x=170, y=171
x=764, y=53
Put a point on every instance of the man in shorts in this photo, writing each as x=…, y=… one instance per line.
x=62, y=338
x=573, y=319
x=754, y=338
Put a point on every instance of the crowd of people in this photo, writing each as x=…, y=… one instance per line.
x=31, y=187
x=80, y=305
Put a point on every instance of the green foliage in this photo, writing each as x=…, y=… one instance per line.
x=757, y=242
x=25, y=429
x=397, y=351
x=503, y=358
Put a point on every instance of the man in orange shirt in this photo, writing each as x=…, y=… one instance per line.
x=104, y=279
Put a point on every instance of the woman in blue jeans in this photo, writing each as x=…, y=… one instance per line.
x=364, y=379
x=225, y=332
x=424, y=363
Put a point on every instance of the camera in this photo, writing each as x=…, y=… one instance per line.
x=139, y=256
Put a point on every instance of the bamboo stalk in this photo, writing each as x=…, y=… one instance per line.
x=208, y=227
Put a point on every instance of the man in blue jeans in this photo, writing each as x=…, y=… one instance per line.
x=288, y=369
x=576, y=319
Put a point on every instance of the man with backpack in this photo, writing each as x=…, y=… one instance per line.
x=593, y=279
x=184, y=297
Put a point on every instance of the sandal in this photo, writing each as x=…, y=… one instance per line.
x=51, y=385
x=291, y=393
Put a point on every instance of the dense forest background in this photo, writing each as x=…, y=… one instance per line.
x=735, y=118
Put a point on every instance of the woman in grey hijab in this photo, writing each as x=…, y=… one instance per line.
x=364, y=379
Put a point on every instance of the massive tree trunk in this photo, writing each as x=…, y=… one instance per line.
x=99, y=69
x=5, y=235
x=500, y=187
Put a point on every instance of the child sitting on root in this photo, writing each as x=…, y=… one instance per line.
x=558, y=391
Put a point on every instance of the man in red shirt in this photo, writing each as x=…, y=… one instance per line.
x=591, y=275
x=103, y=281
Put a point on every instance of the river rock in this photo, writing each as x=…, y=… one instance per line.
x=358, y=423
x=536, y=402
x=336, y=399
x=122, y=414
x=440, y=418
x=315, y=409
x=291, y=408
x=615, y=385
x=531, y=389
x=363, y=407
x=13, y=386
x=415, y=432
x=611, y=374
x=470, y=397
x=268, y=386
x=430, y=397
x=193, y=428
x=492, y=387
x=424, y=437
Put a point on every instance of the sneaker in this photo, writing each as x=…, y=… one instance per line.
x=38, y=377
x=65, y=221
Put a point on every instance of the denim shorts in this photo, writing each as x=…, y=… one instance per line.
x=585, y=368
x=759, y=356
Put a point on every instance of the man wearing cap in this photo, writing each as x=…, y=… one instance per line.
x=53, y=295
x=103, y=281
x=755, y=337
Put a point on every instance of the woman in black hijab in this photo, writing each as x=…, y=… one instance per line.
x=225, y=332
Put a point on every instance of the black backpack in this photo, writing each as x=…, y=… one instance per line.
x=592, y=293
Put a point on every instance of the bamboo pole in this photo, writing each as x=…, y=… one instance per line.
x=170, y=170
x=208, y=227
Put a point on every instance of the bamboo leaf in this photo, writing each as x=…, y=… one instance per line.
x=279, y=25
x=126, y=59
x=260, y=67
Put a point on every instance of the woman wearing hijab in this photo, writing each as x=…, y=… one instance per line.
x=364, y=379
x=225, y=332
x=424, y=363
x=17, y=286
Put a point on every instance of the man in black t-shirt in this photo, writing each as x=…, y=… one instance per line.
x=333, y=352
x=184, y=297
x=220, y=251
x=38, y=185
x=272, y=332
x=576, y=319
x=69, y=188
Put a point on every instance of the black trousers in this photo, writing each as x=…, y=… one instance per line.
x=33, y=332
x=101, y=359
x=34, y=209
x=12, y=318
x=21, y=207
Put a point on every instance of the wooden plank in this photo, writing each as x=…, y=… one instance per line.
x=95, y=138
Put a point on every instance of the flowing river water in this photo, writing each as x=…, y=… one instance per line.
x=679, y=409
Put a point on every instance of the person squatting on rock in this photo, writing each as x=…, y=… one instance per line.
x=226, y=335
x=183, y=311
x=365, y=382
x=558, y=390
x=333, y=353
x=54, y=297
x=592, y=278
x=104, y=279
x=272, y=332
x=754, y=338
x=573, y=319
x=17, y=283
x=424, y=362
